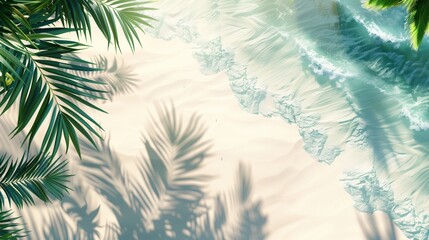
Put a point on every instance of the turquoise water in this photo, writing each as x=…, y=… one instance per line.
x=345, y=75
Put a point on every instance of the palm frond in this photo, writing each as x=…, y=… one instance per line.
x=418, y=20
x=35, y=63
x=42, y=176
x=107, y=15
x=9, y=229
x=129, y=15
x=45, y=89
x=382, y=4
x=418, y=16
x=35, y=66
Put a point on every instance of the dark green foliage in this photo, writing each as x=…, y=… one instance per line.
x=107, y=14
x=37, y=77
x=384, y=3
x=41, y=176
x=38, y=62
x=418, y=16
x=8, y=228
x=419, y=19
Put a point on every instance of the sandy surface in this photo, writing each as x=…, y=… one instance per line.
x=302, y=199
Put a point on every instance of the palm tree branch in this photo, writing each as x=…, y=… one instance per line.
x=418, y=16
x=9, y=229
x=129, y=15
x=47, y=87
x=40, y=175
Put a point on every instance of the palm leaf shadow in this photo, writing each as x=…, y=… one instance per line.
x=235, y=215
x=58, y=229
x=104, y=173
x=86, y=217
x=117, y=78
x=175, y=153
x=167, y=199
x=371, y=230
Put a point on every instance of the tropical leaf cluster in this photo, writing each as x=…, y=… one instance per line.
x=38, y=81
x=35, y=63
x=26, y=181
x=162, y=196
x=418, y=16
x=9, y=229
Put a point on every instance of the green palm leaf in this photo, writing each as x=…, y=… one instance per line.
x=107, y=15
x=129, y=14
x=383, y=3
x=48, y=90
x=41, y=176
x=9, y=230
x=39, y=79
x=418, y=20
x=37, y=66
x=418, y=16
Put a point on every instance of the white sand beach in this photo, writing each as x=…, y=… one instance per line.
x=301, y=198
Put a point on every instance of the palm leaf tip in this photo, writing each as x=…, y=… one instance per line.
x=418, y=21
x=382, y=4
x=418, y=16
x=40, y=176
x=9, y=229
x=108, y=14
